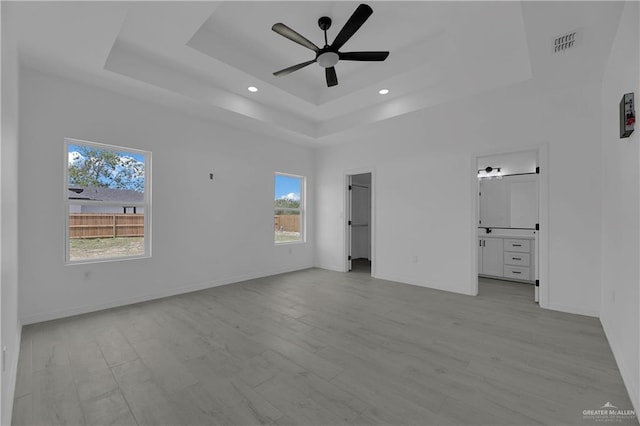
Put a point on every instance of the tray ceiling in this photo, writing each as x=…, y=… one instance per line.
x=202, y=56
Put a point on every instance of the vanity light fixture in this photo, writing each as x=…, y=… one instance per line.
x=489, y=173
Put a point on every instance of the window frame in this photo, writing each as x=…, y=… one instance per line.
x=145, y=204
x=301, y=209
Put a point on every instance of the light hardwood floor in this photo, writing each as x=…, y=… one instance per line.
x=319, y=348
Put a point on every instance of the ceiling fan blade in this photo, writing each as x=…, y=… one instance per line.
x=363, y=56
x=293, y=68
x=292, y=35
x=358, y=18
x=332, y=78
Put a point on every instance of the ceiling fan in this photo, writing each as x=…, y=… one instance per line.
x=329, y=55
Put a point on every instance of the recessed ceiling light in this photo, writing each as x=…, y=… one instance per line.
x=252, y=89
x=383, y=91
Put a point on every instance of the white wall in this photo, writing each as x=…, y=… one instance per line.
x=204, y=232
x=621, y=205
x=423, y=191
x=9, y=217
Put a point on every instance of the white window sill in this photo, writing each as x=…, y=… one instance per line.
x=111, y=259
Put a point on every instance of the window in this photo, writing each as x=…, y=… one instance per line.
x=288, y=205
x=107, y=202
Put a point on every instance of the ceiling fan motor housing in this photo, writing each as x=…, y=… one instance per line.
x=324, y=23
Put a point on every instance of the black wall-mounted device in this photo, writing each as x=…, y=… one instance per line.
x=627, y=115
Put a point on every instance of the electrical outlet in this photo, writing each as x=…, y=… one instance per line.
x=613, y=296
x=87, y=275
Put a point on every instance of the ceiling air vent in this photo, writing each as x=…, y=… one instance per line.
x=567, y=41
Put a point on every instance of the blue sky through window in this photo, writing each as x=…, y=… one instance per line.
x=137, y=157
x=288, y=187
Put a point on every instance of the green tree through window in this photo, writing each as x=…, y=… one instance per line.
x=103, y=168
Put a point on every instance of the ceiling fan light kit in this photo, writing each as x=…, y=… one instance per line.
x=327, y=59
x=330, y=55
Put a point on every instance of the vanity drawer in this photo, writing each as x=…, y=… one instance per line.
x=517, y=259
x=511, y=244
x=517, y=272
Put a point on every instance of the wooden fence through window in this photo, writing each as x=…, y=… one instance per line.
x=112, y=225
x=105, y=225
x=287, y=222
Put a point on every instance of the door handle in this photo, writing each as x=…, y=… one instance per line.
x=516, y=258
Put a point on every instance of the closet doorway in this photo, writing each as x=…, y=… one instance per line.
x=359, y=222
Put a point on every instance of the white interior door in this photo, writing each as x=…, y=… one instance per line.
x=360, y=218
x=536, y=267
x=349, y=222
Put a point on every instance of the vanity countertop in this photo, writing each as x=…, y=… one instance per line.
x=528, y=234
x=519, y=237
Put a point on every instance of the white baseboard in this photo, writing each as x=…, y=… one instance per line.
x=330, y=267
x=627, y=377
x=47, y=316
x=413, y=281
x=7, y=413
x=571, y=309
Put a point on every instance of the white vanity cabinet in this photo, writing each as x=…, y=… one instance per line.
x=490, y=253
x=510, y=258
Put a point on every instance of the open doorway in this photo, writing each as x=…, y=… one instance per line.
x=508, y=206
x=359, y=223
